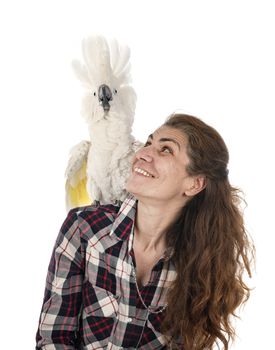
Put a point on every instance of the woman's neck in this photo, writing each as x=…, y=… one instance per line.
x=151, y=225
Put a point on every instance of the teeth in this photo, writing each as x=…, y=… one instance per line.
x=143, y=172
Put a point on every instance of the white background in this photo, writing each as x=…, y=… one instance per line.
x=212, y=59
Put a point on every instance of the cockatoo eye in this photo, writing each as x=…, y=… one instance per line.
x=94, y=93
x=115, y=91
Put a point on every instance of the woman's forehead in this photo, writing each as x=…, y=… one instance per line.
x=169, y=132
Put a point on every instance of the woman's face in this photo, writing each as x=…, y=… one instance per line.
x=159, y=168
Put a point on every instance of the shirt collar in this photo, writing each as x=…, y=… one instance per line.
x=123, y=223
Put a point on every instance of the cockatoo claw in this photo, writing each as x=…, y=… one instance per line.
x=96, y=203
x=118, y=202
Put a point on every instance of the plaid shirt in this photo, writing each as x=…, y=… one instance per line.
x=91, y=299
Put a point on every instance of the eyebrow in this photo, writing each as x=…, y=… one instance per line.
x=164, y=139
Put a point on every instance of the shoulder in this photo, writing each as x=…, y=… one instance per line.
x=93, y=219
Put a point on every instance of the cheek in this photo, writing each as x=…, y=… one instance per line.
x=134, y=159
x=173, y=169
x=178, y=174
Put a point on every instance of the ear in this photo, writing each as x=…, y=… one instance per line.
x=197, y=184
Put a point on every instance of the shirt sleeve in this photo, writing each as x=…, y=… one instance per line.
x=62, y=304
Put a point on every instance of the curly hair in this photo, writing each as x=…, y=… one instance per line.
x=211, y=248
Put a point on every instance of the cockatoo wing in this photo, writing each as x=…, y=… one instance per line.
x=76, y=176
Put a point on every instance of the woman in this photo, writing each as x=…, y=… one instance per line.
x=162, y=271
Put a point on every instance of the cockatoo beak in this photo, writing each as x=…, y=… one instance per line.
x=104, y=96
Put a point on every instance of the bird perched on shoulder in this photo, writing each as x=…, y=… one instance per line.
x=98, y=169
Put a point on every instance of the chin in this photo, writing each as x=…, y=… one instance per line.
x=133, y=188
x=138, y=191
x=138, y=186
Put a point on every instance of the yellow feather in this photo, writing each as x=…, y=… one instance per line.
x=77, y=194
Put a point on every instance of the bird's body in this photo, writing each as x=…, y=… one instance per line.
x=103, y=164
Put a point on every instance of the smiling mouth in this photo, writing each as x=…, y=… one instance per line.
x=143, y=172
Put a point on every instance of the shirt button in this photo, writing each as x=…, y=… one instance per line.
x=129, y=319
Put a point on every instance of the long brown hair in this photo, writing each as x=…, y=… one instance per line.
x=211, y=247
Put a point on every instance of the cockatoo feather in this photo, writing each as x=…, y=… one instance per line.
x=97, y=58
x=81, y=72
x=121, y=61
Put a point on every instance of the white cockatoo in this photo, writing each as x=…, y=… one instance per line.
x=98, y=169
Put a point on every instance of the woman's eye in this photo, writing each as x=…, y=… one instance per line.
x=147, y=144
x=166, y=149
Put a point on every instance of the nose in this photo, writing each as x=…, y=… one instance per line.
x=145, y=153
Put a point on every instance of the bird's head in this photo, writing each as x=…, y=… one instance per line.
x=106, y=78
